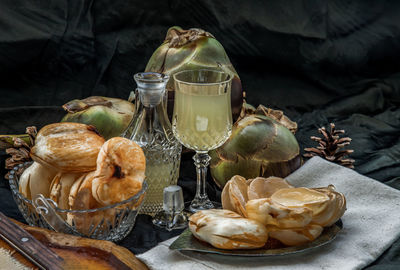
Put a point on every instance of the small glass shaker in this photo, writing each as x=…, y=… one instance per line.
x=172, y=216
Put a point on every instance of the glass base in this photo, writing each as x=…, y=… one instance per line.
x=179, y=221
x=194, y=207
x=198, y=205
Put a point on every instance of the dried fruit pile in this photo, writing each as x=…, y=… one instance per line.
x=76, y=168
x=291, y=215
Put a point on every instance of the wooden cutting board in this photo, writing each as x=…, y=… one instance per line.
x=78, y=252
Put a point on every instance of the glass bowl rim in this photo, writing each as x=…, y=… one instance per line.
x=13, y=186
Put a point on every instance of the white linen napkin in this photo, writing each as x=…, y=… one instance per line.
x=370, y=225
x=8, y=262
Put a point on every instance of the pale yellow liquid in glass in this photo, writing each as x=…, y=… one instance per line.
x=162, y=170
x=202, y=122
x=157, y=181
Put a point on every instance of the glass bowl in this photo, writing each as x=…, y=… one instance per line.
x=113, y=222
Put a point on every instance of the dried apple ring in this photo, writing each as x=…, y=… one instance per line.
x=120, y=172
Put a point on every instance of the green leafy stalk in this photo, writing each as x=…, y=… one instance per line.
x=7, y=141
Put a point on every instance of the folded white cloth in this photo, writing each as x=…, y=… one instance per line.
x=371, y=224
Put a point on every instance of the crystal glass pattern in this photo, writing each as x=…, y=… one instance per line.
x=202, y=120
x=113, y=222
x=151, y=130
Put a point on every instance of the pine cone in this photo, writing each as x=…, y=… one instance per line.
x=20, y=152
x=329, y=146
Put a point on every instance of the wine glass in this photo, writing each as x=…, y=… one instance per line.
x=202, y=120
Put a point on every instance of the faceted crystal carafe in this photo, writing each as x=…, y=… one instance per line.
x=151, y=130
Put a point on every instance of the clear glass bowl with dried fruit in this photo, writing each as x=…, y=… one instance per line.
x=112, y=222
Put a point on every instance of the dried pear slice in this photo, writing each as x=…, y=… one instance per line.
x=67, y=147
x=226, y=229
x=120, y=171
x=60, y=189
x=295, y=236
x=74, y=192
x=40, y=179
x=238, y=194
x=267, y=212
x=225, y=198
x=81, y=198
x=302, y=197
x=334, y=210
x=24, y=183
x=261, y=187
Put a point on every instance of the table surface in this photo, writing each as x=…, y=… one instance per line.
x=145, y=235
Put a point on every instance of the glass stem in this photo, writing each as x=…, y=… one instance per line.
x=201, y=201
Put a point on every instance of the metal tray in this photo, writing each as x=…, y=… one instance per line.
x=187, y=242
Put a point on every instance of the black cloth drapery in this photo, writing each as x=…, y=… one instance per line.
x=318, y=61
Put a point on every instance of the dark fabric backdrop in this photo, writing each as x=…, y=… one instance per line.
x=319, y=61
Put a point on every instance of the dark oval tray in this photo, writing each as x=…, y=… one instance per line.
x=187, y=242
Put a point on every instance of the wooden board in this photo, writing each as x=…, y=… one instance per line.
x=28, y=245
x=80, y=253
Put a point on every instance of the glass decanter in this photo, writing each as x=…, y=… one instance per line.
x=151, y=129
